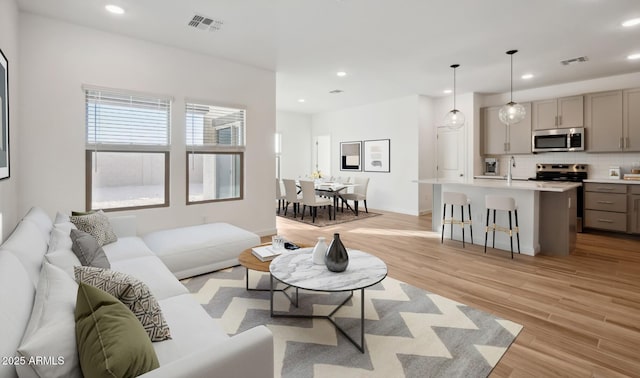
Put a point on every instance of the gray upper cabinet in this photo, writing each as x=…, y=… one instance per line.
x=603, y=121
x=564, y=112
x=501, y=140
x=613, y=121
x=631, y=119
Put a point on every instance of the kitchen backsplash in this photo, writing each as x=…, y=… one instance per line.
x=598, y=163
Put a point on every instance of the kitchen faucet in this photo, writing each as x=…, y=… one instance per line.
x=512, y=162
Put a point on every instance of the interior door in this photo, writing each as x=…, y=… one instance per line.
x=323, y=155
x=450, y=153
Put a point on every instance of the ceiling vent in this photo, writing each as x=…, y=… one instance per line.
x=580, y=59
x=336, y=91
x=205, y=23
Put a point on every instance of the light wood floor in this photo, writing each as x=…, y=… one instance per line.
x=581, y=313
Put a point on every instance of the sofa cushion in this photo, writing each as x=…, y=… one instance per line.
x=60, y=236
x=111, y=341
x=17, y=293
x=192, y=329
x=133, y=293
x=151, y=271
x=50, y=332
x=188, y=251
x=89, y=252
x=41, y=220
x=126, y=248
x=97, y=224
x=27, y=248
x=64, y=259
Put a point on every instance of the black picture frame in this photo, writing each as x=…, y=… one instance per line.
x=351, y=156
x=4, y=117
x=377, y=155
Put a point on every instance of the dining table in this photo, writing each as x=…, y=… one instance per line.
x=333, y=189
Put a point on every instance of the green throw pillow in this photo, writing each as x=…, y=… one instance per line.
x=76, y=213
x=111, y=341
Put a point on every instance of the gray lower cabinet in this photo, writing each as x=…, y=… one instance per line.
x=612, y=207
x=634, y=209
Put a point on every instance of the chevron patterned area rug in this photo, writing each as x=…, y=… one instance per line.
x=408, y=331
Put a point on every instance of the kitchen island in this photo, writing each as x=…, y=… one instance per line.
x=547, y=212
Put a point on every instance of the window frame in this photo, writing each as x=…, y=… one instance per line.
x=91, y=147
x=215, y=149
x=89, y=181
x=216, y=152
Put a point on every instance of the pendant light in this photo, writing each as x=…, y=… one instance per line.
x=454, y=119
x=512, y=112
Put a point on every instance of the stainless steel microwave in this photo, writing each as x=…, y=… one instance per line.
x=553, y=140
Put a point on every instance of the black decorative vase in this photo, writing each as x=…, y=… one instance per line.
x=336, y=257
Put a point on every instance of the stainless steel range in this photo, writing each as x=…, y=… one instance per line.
x=564, y=172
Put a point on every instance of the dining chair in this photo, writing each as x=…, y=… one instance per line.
x=279, y=196
x=359, y=193
x=291, y=196
x=309, y=198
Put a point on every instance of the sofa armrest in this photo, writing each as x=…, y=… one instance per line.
x=124, y=225
x=248, y=354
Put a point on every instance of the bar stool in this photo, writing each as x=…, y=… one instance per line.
x=504, y=204
x=458, y=199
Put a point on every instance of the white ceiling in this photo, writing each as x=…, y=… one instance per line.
x=389, y=48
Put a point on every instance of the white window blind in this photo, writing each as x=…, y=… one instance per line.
x=120, y=119
x=215, y=126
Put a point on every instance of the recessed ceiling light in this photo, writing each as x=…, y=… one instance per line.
x=301, y=100
x=632, y=22
x=527, y=76
x=447, y=91
x=633, y=56
x=114, y=9
x=341, y=74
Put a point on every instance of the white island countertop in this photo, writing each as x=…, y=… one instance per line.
x=541, y=186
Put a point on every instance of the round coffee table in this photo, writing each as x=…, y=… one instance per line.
x=298, y=270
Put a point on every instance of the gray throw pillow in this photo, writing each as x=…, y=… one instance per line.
x=96, y=224
x=88, y=251
x=134, y=293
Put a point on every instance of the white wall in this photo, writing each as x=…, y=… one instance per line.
x=296, y=157
x=397, y=120
x=57, y=58
x=9, y=187
x=426, y=151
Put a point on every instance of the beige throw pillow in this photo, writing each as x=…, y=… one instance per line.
x=97, y=224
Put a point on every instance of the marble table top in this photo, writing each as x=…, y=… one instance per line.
x=296, y=268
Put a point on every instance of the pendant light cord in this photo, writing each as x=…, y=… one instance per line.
x=511, y=100
x=454, y=66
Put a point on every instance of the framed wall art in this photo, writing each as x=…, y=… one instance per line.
x=377, y=155
x=350, y=156
x=4, y=116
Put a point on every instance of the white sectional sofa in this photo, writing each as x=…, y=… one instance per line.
x=30, y=268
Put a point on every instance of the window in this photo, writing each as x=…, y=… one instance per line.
x=127, y=150
x=215, y=153
x=278, y=143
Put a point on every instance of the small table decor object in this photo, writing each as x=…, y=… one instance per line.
x=319, y=251
x=336, y=258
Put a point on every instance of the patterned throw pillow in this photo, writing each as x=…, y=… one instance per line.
x=133, y=293
x=97, y=224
